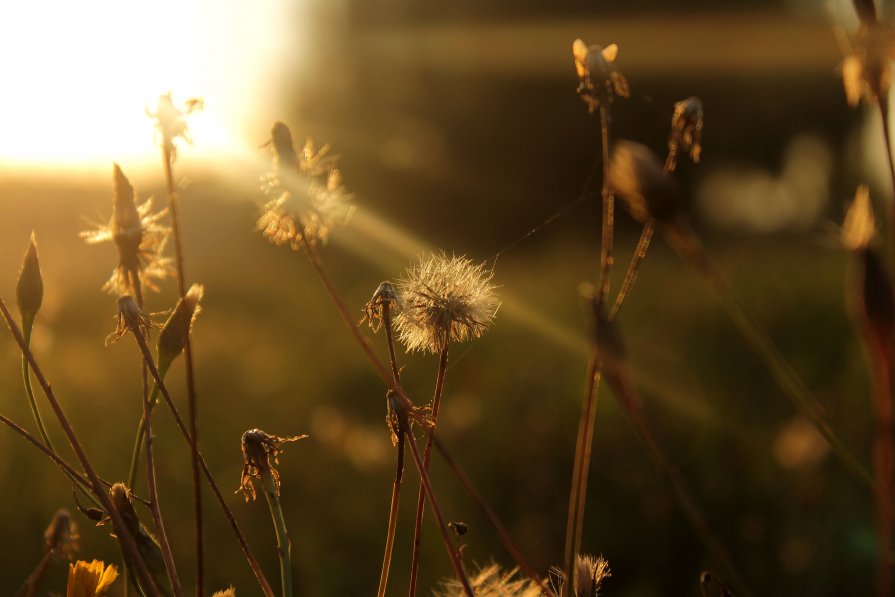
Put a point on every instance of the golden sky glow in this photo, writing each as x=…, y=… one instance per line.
x=75, y=77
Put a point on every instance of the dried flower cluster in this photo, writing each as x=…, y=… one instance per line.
x=445, y=299
x=385, y=296
x=306, y=194
x=139, y=237
x=259, y=452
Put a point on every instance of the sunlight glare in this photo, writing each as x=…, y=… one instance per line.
x=76, y=77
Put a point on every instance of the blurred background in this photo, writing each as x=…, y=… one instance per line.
x=458, y=129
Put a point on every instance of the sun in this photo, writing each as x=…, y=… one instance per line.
x=77, y=77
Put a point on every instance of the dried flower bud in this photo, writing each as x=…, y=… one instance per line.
x=866, y=10
x=686, y=131
x=30, y=287
x=385, y=297
x=90, y=580
x=131, y=319
x=598, y=79
x=259, y=452
x=62, y=535
x=710, y=585
x=146, y=544
x=445, y=299
x=636, y=175
x=175, y=331
x=859, y=227
x=866, y=70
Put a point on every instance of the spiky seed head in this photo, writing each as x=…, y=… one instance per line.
x=598, y=79
x=444, y=299
x=307, y=198
x=590, y=571
x=636, y=175
x=492, y=581
x=170, y=121
x=259, y=454
x=231, y=592
x=859, y=226
x=176, y=330
x=61, y=537
x=90, y=579
x=30, y=286
x=138, y=236
x=686, y=130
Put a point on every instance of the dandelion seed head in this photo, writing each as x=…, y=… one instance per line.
x=444, y=299
x=231, y=592
x=492, y=581
x=170, y=121
x=129, y=318
x=260, y=451
x=305, y=191
x=139, y=237
x=589, y=573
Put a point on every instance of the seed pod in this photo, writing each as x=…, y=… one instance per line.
x=30, y=286
x=173, y=336
x=146, y=544
x=636, y=175
x=686, y=131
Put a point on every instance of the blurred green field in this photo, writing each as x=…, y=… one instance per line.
x=272, y=353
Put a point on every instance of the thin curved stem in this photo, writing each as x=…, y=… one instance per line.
x=168, y=159
x=427, y=456
x=284, y=546
x=27, y=325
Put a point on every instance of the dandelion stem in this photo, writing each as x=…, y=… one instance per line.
x=887, y=137
x=168, y=159
x=27, y=324
x=445, y=534
x=881, y=370
x=154, y=505
x=127, y=540
x=689, y=248
x=580, y=467
x=399, y=466
x=427, y=456
x=138, y=438
x=228, y=513
x=284, y=546
x=502, y=531
x=608, y=208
